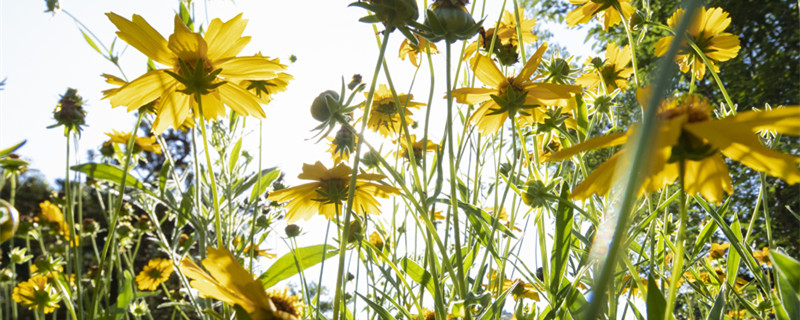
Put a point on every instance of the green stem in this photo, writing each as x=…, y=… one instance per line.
x=631, y=43
x=337, y=300
x=211, y=177
x=713, y=74
x=112, y=226
x=677, y=266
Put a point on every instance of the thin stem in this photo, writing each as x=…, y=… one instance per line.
x=211, y=177
x=677, y=266
x=337, y=300
x=631, y=43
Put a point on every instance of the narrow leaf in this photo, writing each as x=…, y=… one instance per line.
x=563, y=239
x=261, y=185
x=656, y=304
x=286, y=265
x=237, y=148
x=102, y=171
x=11, y=149
x=418, y=274
x=91, y=43
x=718, y=309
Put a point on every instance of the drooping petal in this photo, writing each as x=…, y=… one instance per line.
x=715, y=20
x=225, y=39
x=784, y=120
x=143, y=90
x=139, y=34
x=487, y=123
x=187, y=45
x=662, y=45
x=708, y=177
x=240, y=100
x=171, y=110
x=212, y=105
x=723, y=47
x=314, y=171
x=582, y=14
x=745, y=147
x=550, y=94
x=599, y=181
x=605, y=141
x=486, y=71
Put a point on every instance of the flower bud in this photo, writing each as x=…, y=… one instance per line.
x=450, y=20
x=292, y=230
x=69, y=112
x=320, y=108
x=9, y=221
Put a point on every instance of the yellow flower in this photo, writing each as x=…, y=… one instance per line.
x=507, y=45
x=612, y=72
x=384, y=115
x=286, y=306
x=520, y=289
x=686, y=132
x=408, y=49
x=147, y=144
x=705, y=30
x=519, y=93
x=376, y=240
x=416, y=147
x=342, y=145
x=51, y=213
x=763, y=256
x=206, y=65
x=608, y=9
x=718, y=250
x=227, y=281
x=255, y=247
x=329, y=190
x=264, y=89
x=37, y=293
x=154, y=273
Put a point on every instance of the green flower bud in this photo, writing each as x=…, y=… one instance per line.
x=9, y=221
x=292, y=230
x=320, y=109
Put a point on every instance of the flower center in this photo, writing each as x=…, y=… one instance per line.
x=333, y=190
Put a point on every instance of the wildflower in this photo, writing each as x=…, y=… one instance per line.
x=292, y=230
x=286, y=306
x=51, y=213
x=763, y=256
x=519, y=289
x=393, y=13
x=9, y=220
x=139, y=308
x=686, y=132
x=19, y=255
x=376, y=240
x=510, y=96
x=265, y=89
x=69, y=112
x=384, y=115
x=37, y=293
x=156, y=272
x=611, y=72
x=416, y=148
x=705, y=31
x=506, y=47
x=718, y=250
x=609, y=10
x=147, y=144
x=413, y=51
x=226, y=280
x=255, y=248
x=449, y=20
x=202, y=70
x=329, y=189
x=342, y=145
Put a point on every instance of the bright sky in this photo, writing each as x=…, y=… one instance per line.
x=43, y=54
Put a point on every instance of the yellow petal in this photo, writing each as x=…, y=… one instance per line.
x=487, y=71
x=488, y=123
x=187, y=45
x=250, y=68
x=240, y=100
x=708, y=177
x=473, y=95
x=745, y=147
x=172, y=110
x=212, y=106
x=605, y=141
x=530, y=66
x=662, y=45
x=784, y=120
x=715, y=20
x=143, y=90
x=550, y=94
x=225, y=39
x=139, y=34
x=722, y=47
x=582, y=14
x=599, y=181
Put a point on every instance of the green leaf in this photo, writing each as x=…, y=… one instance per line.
x=369, y=19
x=718, y=309
x=11, y=149
x=102, y=171
x=294, y=262
x=656, y=304
x=125, y=296
x=237, y=148
x=733, y=257
x=788, y=282
x=418, y=274
x=582, y=117
x=703, y=237
x=251, y=181
x=163, y=176
x=496, y=308
x=262, y=184
x=562, y=241
x=384, y=314
x=91, y=43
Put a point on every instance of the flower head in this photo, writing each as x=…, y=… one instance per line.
x=37, y=293
x=147, y=144
x=329, y=190
x=385, y=114
x=227, y=281
x=718, y=250
x=51, y=213
x=509, y=96
x=705, y=31
x=607, y=10
x=154, y=273
x=414, y=51
x=69, y=112
x=687, y=132
x=200, y=70
x=286, y=306
x=417, y=147
x=763, y=256
x=612, y=72
x=506, y=47
x=342, y=145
